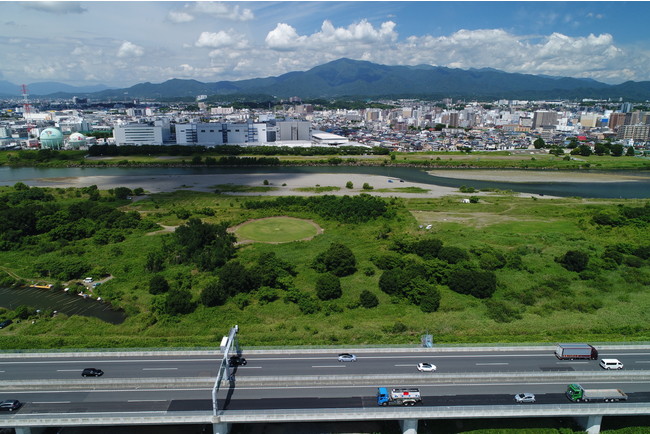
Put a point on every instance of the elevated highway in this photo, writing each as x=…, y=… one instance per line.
x=291, y=385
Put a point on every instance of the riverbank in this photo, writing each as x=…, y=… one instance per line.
x=279, y=184
x=537, y=176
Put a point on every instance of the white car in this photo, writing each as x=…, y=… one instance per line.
x=525, y=397
x=426, y=367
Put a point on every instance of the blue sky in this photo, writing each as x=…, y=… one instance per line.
x=123, y=43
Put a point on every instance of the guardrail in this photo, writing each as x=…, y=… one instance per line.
x=153, y=352
x=325, y=380
x=328, y=414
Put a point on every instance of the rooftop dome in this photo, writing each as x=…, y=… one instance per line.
x=51, y=138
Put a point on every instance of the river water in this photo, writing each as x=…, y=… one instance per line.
x=60, y=301
x=552, y=187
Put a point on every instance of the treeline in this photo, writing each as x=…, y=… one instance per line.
x=345, y=209
x=624, y=215
x=30, y=218
x=189, y=150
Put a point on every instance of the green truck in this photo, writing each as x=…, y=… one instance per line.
x=577, y=393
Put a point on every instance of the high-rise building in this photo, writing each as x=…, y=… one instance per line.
x=544, y=118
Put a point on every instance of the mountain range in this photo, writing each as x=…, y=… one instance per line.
x=358, y=79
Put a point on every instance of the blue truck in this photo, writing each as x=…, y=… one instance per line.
x=398, y=396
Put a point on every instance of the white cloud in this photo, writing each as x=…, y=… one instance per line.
x=341, y=39
x=283, y=38
x=56, y=7
x=179, y=17
x=214, y=40
x=129, y=49
x=213, y=9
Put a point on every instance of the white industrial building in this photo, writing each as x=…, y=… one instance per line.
x=138, y=134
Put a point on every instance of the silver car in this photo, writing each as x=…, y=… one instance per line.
x=525, y=397
x=345, y=357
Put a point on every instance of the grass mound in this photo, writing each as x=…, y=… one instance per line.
x=276, y=230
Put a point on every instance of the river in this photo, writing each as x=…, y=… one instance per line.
x=553, y=186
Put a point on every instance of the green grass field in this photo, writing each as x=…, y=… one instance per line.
x=553, y=304
x=276, y=230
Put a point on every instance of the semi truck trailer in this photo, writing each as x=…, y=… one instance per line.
x=577, y=393
x=398, y=396
x=575, y=351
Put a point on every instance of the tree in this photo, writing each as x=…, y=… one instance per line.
x=630, y=151
x=427, y=248
x=601, y=149
x=393, y=281
x=368, y=300
x=155, y=262
x=452, y=254
x=213, y=294
x=430, y=301
x=158, y=284
x=235, y=278
x=616, y=150
x=480, y=284
x=582, y=150
x=574, y=260
x=539, y=143
x=349, y=184
x=179, y=302
x=338, y=259
x=122, y=192
x=328, y=287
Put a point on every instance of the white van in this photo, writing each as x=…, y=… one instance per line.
x=88, y=280
x=611, y=364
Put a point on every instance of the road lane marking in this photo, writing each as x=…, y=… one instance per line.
x=146, y=400
x=51, y=402
x=638, y=361
x=332, y=366
x=249, y=367
x=67, y=370
x=410, y=364
x=159, y=369
x=491, y=364
x=571, y=362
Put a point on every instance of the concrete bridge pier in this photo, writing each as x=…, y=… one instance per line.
x=409, y=426
x=29, y=430
x=219, y=428
x=591, y=424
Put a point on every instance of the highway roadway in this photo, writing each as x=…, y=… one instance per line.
x=306, y=363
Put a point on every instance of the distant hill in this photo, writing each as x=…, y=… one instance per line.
x=11, y=90
x=355, y=78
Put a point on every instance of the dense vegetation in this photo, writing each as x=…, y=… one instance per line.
x=502, y=269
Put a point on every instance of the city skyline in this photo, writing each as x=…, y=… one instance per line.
x=120, y=44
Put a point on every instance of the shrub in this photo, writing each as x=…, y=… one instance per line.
x=338, y=260
x=430, y=301
x=574, y=260
x=158, y=285
x=267, y=295
x=308, y=304
x=367, y=186
x=452, y=254
x=179, y=302
x=427, y=248
x=480, y=284
x=349, y=184
x=388, y=260
x=328, y=287
x=214, y=294
x=501, y=311
x=368, y=300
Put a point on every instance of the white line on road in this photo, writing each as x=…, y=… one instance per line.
x=67, y=370
x=642, y=361
x=159, y=369
x=410, y=364
x=491, y=364
x=51, y=402
x=573, y=363
x=249, y=367
x=332, y=366
x=146, y=400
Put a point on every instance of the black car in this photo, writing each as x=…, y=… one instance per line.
x=92, y=372
x=236, y=361
x=10, y=405
x=5, y=323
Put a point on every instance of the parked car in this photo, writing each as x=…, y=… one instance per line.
x=426, y=367
x=92, y=372
x=525, y=397
x=345, y=357
x=5, y=323
x=10, y=405
x=236, y=361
